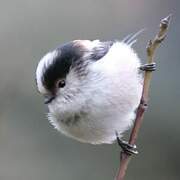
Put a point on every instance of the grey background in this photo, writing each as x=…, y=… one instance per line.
x=30, y=149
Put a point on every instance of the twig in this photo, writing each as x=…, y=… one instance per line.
x=152, y=45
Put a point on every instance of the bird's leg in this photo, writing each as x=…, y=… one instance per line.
x=126, y=147
x=148, y=67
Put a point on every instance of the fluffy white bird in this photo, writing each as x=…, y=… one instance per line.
x=92, y=88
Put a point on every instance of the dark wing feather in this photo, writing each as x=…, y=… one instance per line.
x=101, y=50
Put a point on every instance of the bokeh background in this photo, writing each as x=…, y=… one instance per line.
x=30, y=149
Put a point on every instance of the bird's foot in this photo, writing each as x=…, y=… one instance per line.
x=126, y=147
x=148, y=67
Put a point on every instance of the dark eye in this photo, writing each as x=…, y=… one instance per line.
x=61, y=83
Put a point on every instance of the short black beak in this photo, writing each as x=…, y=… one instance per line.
x=49, y=99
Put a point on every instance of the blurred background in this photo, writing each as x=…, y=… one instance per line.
x=30, y=149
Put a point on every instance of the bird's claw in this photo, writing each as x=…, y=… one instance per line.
x=148, y=67
x=126, y=147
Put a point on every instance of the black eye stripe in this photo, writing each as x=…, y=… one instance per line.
x=58, y=70
x=61, y=65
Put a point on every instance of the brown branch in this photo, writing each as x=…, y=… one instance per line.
x=152, y=45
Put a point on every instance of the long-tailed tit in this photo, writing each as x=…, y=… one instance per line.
x=91, y=88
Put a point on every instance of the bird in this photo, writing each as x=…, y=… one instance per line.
x=92, y=88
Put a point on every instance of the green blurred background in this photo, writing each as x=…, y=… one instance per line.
x=30, y=149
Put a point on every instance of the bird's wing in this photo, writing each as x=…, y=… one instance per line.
x=100, y=49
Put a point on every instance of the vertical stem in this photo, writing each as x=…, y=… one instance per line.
x=152, y=45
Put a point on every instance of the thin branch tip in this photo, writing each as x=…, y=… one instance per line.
x=167, y=20
x=150, y=50
x=159, y=38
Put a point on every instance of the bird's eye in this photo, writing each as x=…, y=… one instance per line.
x=61, y=83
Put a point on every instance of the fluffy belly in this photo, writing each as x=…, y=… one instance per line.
x=94, y=129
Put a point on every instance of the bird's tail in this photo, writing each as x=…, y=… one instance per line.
x=130, y=39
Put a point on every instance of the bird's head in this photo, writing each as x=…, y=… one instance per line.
x=63, y=73
x=58, y=70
